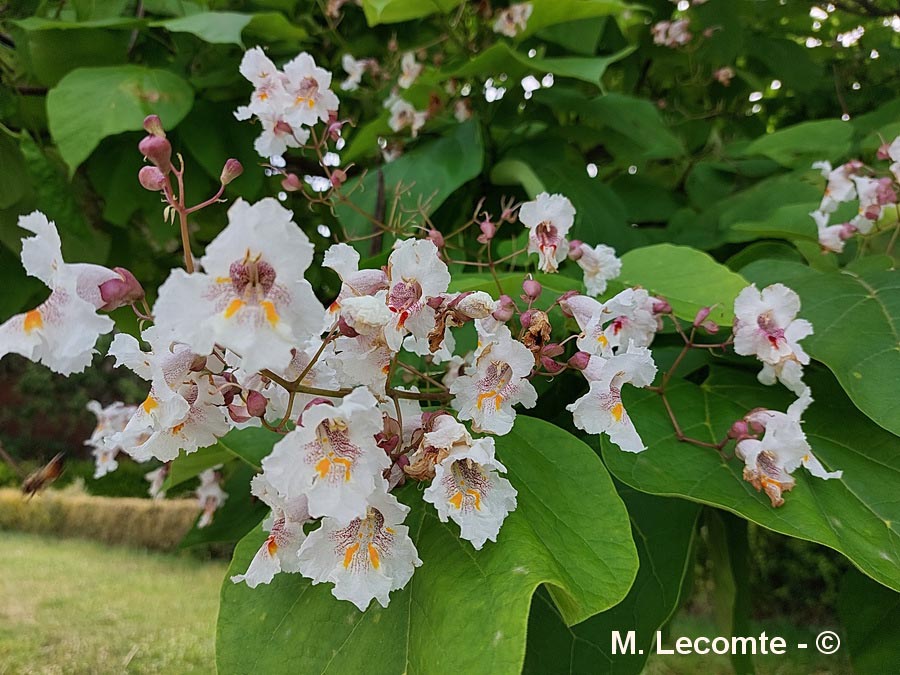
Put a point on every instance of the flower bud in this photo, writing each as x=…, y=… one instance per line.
x=532, y=289
x=291, y=182
x=230, y=171
x=575, y=251
x=126, y=290
x=552, y=350
x=884, y=151
x=436, y=237
x=847, y=231
x=710, y=326
x=338, y=178
x=701, y=315
x=158, y=150
x=488, y=230
x=661, y=306
x=256, y=404
x=580, y=360
x=475, y=305
x=550, y=365
x=151, y=178
x=505, y=309
x=153, y=126
x=525, y=318
x=739, y=430
x=885, y=192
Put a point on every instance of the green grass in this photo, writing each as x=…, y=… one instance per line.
x=71, y=606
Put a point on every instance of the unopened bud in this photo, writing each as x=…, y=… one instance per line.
x=505, y=309
x=739, y=430
x=291, y=182
x=158, y=150
x=710, y=326
x=532, y=289
x=847, y=231
x=550, y=365
x=153, y=125
x=580, y=360
x=334, y=125
x=126, y=290
x=338, y=178
x=151, y=178
x=661, y=306
x=884, y=151
x=526, y=317
x=488, y=230
x=230, y=171
x=552, y=350
x=885, y=193
x=436, y=237
x=701, y=315
x=256, y=404
x=575, y=251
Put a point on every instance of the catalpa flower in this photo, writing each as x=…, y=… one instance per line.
x=365, y=559
x=497, y=383
x=355, y=69
x=157, y=478
x=364, y=358
x=831, y=237
x=415, y=274
x=840, y=187
x=513, y=20
x=60, y=332
x=770, y=462
x=626, y=318
x=268, y=82
x=331, y=457
x=765, y=326
x=279, y=552
x=869, y=204
x=409, y=70
x=672, y=33
x=548, y=219
x=210, y=495
x=251, y=297
x=110, y=421
x=601, y=409
x=344, y=259
x=467, y=487
x=404, y=114
x=599, y=263
x=308, y=87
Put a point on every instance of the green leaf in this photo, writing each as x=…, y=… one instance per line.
x=394, y=11
x=90, y=104
x=550, y=12
x=788, y=222
x=274, y=26
x=870, y=616
x=187, y=466
x=800, y=144
x=663, y=531
x=689, y=279
x=15, y=174
x=570, y=531
x=856, y=318
x=429, y=174
x=250, y=444
x=213, y=27
x=857, y=515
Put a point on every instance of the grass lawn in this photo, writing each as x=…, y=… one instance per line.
x=72, y=606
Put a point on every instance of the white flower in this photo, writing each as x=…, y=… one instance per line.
x=251, y=297
x=894, y=153
x=409, y=70
x=403, y=115
x=831, y=237
x=331, y=457
x=840, y=187
x=365, y=358
x=279, y=552
x=277, y=135
x=467, y=487
x=355, y=69
x=600, y=264
x=765, y=326
x=365, y=559
x=60, y=332
x=513, y=20
x=156, y=478
x=770, y=462
x=110, y=421
x=344, y=259
x=498, y=382
x=671, y=33
x=626, y=318
x=415, y=273
x=869, y=206
x=601, y=409
x=318, y=183
x=210, y=496
x=320, y=376
x=268, y=81
x=548, y=219
x=308, y=86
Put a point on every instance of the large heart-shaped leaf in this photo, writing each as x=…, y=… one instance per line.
x=857, y=515
x=464, y=610
x=664, y=534
x=551, y=12
x=90, y=104
x=394, y=11
x=856, y=317
x=800, y=144
x=870, y=615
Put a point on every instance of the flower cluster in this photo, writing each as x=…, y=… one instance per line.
x=111, y=420
x=853, y=181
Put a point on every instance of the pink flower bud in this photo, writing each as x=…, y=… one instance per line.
x=701, y=315
x=552, y=350
x=853, y=166
x=710, y=326
x=151, y=178
x=436, y=237
x=885, y=192
x=238, y=413
x=230, y=171
x=884, y=151
x=505, y=310
x=550, y=365
x=291, y=182
x=256, y=404
x=661, y=306
x=526, y=317
x=580, y=360
x=334, y=125
x=575, y=251
x=847, y=231
x=532, y=289
x=488, y=230
x=126, y=290
x=153, y=125
x=739, y=430
x=338, y=178
x=158, y=150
